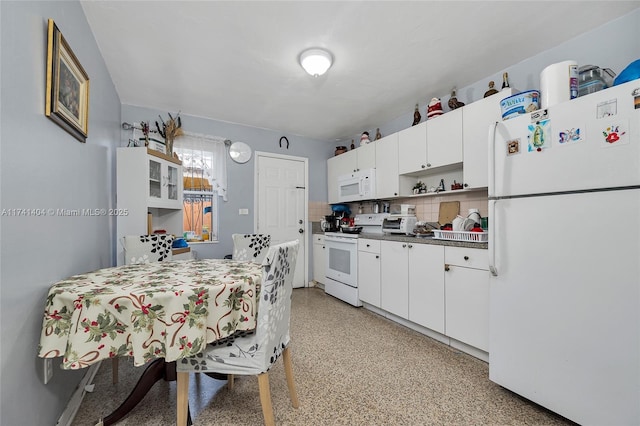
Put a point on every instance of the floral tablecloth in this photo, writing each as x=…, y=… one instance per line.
x=157, y=310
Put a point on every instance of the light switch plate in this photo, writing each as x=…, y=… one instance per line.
x=243, y=211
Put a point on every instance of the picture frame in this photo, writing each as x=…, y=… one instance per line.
x=67, y=90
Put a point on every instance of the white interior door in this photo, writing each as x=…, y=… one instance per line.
x=281, y=204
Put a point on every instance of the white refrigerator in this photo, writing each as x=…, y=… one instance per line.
x=564, y=249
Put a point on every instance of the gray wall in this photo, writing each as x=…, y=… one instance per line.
x=240, y=176
x=613, y=45
x=43, y=166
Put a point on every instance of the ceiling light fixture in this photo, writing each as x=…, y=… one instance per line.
x=316, y=61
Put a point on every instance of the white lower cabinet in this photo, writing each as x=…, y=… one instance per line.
x=412, y=282
x=441, y=288
x=369, y=271
x=426, y=286
x=319, y=261
x=466, y=279
x=394, y=273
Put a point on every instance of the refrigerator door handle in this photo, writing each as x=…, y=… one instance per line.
x=492, y=238
x=491, y=140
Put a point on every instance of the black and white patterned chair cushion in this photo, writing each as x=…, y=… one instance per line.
x=255, y=353
x=147, y=248
x=251, y=247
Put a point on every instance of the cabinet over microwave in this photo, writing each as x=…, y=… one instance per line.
x=357, y=186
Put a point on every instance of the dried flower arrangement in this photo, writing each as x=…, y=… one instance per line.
x=171, y=129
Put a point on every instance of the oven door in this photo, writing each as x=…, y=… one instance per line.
x=342, y=260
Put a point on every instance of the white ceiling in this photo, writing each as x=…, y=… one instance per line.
x=237, y=61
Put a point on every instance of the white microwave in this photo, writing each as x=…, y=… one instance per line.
x=357, y=186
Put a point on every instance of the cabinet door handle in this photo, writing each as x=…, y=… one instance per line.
x=423, y=166
x=446, y=267
x=404, y=245
x=466, y=258
x=377, y=257
x=428, y=164
x=410, y=245
x=368, y=245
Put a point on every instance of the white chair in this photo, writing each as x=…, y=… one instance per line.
x=251, y=247
x=253, y=354
x=147, y=248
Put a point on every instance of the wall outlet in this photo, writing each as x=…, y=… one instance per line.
x=47, y=370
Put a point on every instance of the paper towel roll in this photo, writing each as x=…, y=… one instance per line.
x=559, y=83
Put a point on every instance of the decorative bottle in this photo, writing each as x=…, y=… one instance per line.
x=505, y=81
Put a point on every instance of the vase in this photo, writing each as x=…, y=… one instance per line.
x=169, y=145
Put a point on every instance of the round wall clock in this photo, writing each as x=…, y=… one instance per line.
x=240, y=152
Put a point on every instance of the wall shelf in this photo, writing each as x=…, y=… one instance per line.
x=445, y=193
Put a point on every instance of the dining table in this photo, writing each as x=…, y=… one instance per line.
x=155, y=313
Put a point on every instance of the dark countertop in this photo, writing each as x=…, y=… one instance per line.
x=419, y=240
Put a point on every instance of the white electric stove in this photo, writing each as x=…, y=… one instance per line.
x=342, y=257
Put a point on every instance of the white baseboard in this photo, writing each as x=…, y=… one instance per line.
x=478, y=353
x=73, y=405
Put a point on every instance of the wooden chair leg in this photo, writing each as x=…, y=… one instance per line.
x=288, y=371
x=265, y=399
x=230, y=380
x=114, y=370
x=182, y=406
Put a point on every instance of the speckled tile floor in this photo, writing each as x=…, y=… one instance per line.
x=351, y=366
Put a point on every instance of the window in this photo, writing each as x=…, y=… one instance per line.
x=204, y=183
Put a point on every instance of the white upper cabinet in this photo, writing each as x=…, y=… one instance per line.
x=412, y=149
x=430, y=144
x=366, y=156
x=387, y=179
x=444, y=139
x=452, y=146
x=477, y=118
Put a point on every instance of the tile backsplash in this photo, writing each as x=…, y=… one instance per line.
x=427, y=207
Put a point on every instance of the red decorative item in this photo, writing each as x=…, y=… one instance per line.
x=434, y=109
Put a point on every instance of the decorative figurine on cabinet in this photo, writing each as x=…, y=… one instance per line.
x=453, y=100
x=378, y=134
x=353, y=144
x=491, y=91
x=434, y=109
x=416, y=116
x=364, y=139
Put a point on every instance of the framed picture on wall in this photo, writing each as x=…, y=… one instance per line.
x=67, y=96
